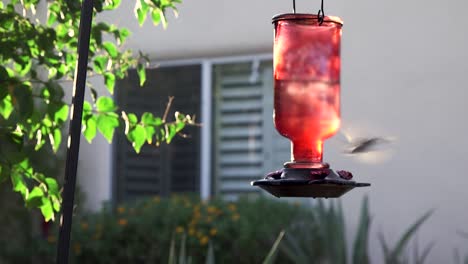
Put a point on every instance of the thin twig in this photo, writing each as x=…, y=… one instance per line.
x=168, y=106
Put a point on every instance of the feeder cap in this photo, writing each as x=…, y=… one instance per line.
x=298, y=16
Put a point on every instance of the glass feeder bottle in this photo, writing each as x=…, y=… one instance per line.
x=307, y=84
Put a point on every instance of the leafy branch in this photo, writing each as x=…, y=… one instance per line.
x=36, y=58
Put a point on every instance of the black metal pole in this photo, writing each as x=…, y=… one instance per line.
x=74, y=133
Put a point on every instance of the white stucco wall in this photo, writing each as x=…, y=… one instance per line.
x=403, y=75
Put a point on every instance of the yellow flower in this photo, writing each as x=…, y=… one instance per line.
x=121, y=209
x=209, y=219
x=179, y=229
x=196, y=215
x=51, y=239
x=84, y=226
x=77, y=248
x=123, y=222
x=193, y=222
x=191, y=231
x=232, y=207
x=156, y=199
x=211, y=209
x=235, y=217
x=204, y=240
x=213, y=231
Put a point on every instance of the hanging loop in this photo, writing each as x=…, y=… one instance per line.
x=321, y=14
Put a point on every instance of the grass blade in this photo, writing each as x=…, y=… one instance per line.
x=210, y=258
x=271, y=255
x=172, y=252
x=422, y=258
x=360, y=254
x=398, y=250
x=182, y=252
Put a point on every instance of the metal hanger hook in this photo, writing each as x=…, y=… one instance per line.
x=321, y=14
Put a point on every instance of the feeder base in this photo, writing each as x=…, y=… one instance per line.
x=300, y=183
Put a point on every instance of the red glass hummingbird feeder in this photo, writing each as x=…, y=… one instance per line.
x=307, y=104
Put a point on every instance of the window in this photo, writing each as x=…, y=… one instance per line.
x=168, y=168
x=243, y=144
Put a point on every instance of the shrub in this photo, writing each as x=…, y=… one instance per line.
x=141, y=232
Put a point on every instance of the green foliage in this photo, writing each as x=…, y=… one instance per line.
x=141, y=232
x=36, y=58
x=301, y=244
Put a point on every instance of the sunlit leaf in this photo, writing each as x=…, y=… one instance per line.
x=111, y=49
x=141, y=73
x=55, y=138
x=90, y=128
x=156, y=16
x=52, y=186
x=100, y=63
x=105, y=104
x=47, y=209
x=61, y=115
x=109, y=80
x=19, y=185
x=35, y=197
x=106, y=124
x=6, y=107
x=138, y=137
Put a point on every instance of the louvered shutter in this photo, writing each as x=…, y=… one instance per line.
x=246, y=144
x=168, y=168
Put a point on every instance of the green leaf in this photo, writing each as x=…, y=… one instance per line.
x=40, y=141
x=109, y=80
x=35, y=197
x=124, y=33
x=149, y=119
x=132, y=119
x=106, y=124
x=111, y=49
x=6, y=107
x=172, y=129
x=87, y=109
x=141, y=73
x=100, y=63
x=90, y=128
x=105, y=104
x=19, y=185
x=138, y=137
x=61, y=115
x=52, y=17
x=52, y=186
x=55, y=138
x=56, y=203
x=112, y=4
x=156, y=16
x=47, y=209
x=141, y=15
